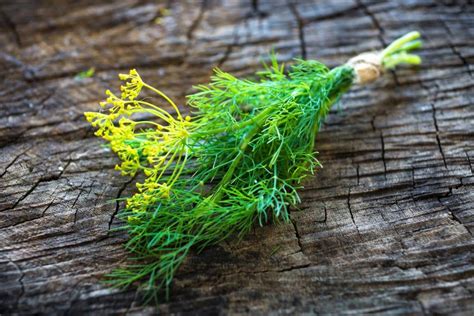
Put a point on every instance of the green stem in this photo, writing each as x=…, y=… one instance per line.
x=397, y=52
x=401, y=58
x=241, y=124
x=410, y=46
x=344, y=78
x=164, y=97
x=398, y=43
x=228, y=175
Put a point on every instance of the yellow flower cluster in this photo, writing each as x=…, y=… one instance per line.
x=133, y=85
x=157, y=146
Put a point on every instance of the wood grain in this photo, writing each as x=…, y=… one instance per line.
x=385, y=227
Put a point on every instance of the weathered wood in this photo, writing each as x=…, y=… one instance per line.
x=385, y=227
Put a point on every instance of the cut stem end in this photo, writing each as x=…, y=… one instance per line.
x=369, y=66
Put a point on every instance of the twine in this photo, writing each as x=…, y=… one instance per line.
x=367, y=67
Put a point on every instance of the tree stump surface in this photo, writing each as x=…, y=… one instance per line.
x=385, y=227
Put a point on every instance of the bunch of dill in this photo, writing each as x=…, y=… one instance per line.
x=239, y=160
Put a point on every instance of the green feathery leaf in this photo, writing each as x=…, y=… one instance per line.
x=239, y=160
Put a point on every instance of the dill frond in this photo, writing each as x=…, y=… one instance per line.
x=239, y=160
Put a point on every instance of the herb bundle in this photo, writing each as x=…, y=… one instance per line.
x=238, y=160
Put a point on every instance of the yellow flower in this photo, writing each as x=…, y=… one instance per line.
x=164, y=190
x=133, y=85
x=132, y=219
x=157, y=149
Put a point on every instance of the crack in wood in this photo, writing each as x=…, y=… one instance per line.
x=422, y=308
x=383, y=155
x=77, y=209
x=453, y=216
x=454, y=49
x=324, y=220
x=34, y=218
x=230, y=48
x=47, y=207
x=117, y=199
x=372, y=123
x=43, y=178
x=300, y=24
x=12, y=27
x=438, y=141
x=433, y=99
x=375, y=21
x=357, y=174
x=192, y=28
x=350, y=210
x=255, y=4
x=28, y=192
x=380, y=30
x=14, y=160
x=296, y=267
x=196, y=22
x=469, y=161
x=297, y=234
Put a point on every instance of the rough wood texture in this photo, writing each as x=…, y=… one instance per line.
x=385, y=227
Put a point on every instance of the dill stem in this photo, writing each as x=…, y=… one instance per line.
x=242, y=147
x=152, y=111
x=167, y=165
x=147, y=122
x=176, y=173
x=160, y=164
x=395, y=45
x=242, y=124
x=152, y=106
x=166, y=98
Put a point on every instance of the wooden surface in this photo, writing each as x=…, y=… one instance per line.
x=385, y=227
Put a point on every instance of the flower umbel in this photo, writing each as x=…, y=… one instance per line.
x=145, y=136
x=133, y=85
